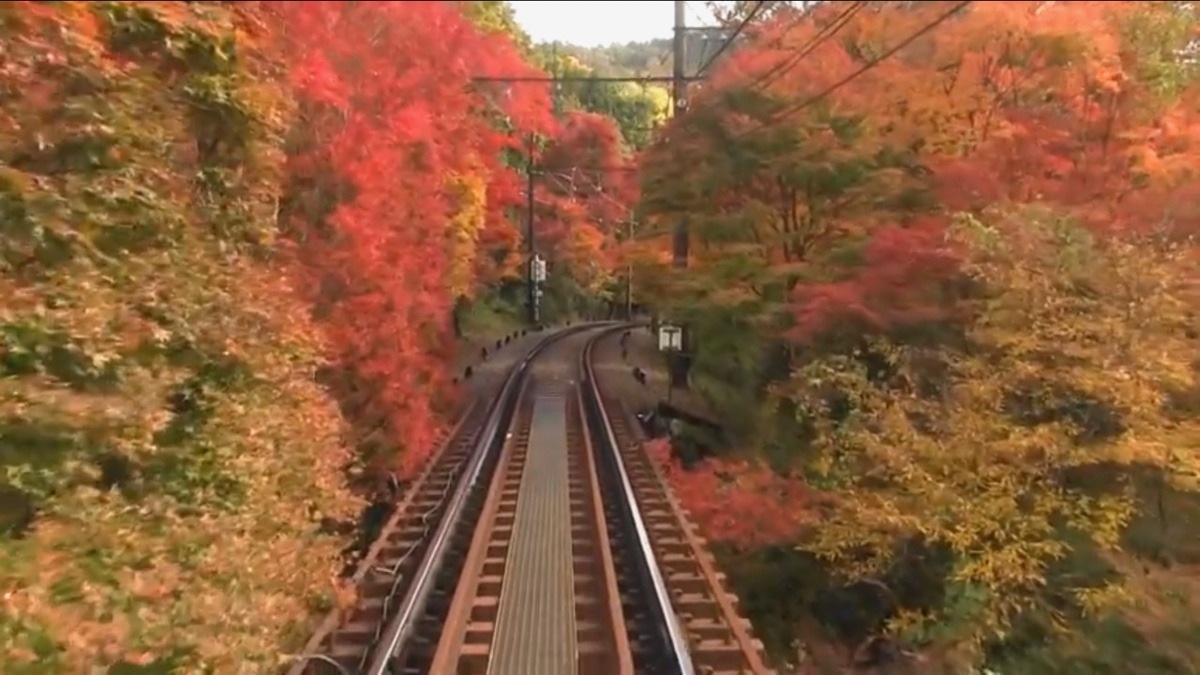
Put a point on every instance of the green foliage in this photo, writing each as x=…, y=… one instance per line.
x=1105, y=647
x=631, y=58
x=725, y=373
x=951, y=466
x=778, y=587
x=798, y=190
x=564, y=298
x=637, y=108
x=488, y=315
x=968, y=315
x=1155, y=36
x=497, y=16
x=161, y=439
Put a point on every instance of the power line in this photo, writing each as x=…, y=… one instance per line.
x=790, y=62
x=579, y=78
x=828, y=31
x=696, y=13
x=879, y=59
x=758, y=7
x=795, y=108
x=680, y=361
x=823, y=35
x=567, y=181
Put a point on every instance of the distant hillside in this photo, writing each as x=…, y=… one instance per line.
x=643, y=58
x=631, y=58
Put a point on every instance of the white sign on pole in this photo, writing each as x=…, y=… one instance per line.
x=670, y=338
x=537, y=268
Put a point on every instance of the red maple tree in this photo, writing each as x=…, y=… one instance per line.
x=811, y=164
x=390, y=112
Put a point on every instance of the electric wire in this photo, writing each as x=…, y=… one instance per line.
x=812, y=100
x=758, y=7
x=826, y=33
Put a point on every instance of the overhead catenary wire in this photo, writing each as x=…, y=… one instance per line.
x=567, y=182
x=790, y=110
x=789, y=62
x=823, y=35
x=758, y=7
x=696, y=13
x=825, y=93
x=826, y=33
x=702, y=20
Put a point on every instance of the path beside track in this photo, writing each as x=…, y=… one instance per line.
x=541, y=541
x=537, y=592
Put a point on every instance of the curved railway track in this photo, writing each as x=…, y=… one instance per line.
x=539, y=540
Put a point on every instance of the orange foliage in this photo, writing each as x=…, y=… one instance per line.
x=586, y=193
x=138, y=185
x=415, y=198
x=833, y=203
x=735, y=502
x=1075, y=105
x=390, y=118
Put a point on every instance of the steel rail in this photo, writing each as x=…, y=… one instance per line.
x=680, y=658
x=401, y=625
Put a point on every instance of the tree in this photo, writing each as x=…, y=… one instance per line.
x=953, y=227
x=773, y=205
x=167, y=457
x=497, y=16
x=587, y=201
x=398, y=141
x=733, y=13
x=636, y=107
x=1055, y=384
x=209, y=211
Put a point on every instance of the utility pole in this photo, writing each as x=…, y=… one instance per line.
x=681, y=363
x=536, y=269
x=679, y=78
x=629, y=272
x=530, y=244
x=556, y=83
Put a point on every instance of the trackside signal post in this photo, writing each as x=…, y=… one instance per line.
x=537, y=276
x=679, y=81
x=670, y=343
x=629, y=273
x=680, y=362
x=534, y=282
x=679, y=358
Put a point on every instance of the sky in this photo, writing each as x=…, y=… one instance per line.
x=591, y=24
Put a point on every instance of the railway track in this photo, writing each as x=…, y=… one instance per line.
x=539, y=540
x=719, y=639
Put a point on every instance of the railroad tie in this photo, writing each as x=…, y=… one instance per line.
x=535, y=627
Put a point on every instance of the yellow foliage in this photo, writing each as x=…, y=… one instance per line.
x=1073, y=357
x=584, y=245
x=158, y=404
x=467, y=223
